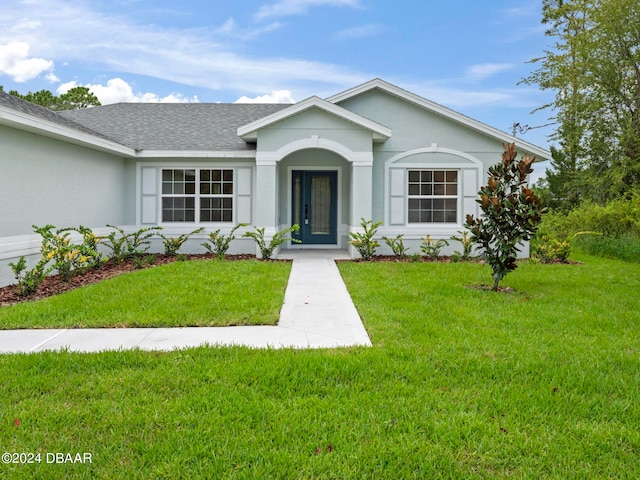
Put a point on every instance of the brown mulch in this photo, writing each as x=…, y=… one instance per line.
x=54, y=285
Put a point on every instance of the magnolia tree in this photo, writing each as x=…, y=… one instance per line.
x=510, y=215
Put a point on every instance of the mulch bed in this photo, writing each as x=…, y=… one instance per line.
x=54, y=285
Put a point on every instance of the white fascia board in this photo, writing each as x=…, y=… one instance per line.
x=380, y=132
x=540, y=153
x=196, y=154
x=29, y=123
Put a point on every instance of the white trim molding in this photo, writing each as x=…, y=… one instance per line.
x=357, y=158
x=380, y=133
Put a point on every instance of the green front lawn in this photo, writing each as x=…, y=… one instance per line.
x=543, y=382
x=197, y=293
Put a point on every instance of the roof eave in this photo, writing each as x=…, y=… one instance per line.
x=29, y=123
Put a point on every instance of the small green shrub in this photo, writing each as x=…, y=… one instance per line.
x=68, y=258
x=551, y=250
x=467, y=245
x=266, y=250
x=397, y=246
x=432, y=248
x=27, y=281
x=173, y=244
x=218, y=244
x=364, y=242
x=123, y=245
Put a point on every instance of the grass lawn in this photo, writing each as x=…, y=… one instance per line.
x=196, y=293
x=460, y=383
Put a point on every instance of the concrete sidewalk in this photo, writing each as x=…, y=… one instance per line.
x=317, y=313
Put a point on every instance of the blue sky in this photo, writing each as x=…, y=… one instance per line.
x=468, y=55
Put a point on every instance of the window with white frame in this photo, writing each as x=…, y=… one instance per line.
x=433, y=196
x=206, y=192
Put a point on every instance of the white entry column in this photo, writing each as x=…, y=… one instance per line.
x=266, y=200
x=361, y=193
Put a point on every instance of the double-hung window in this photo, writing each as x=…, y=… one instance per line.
x=197, y=195
x=433, y=196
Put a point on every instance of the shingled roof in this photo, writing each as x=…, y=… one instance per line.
x=174, y=126
x=20, y=105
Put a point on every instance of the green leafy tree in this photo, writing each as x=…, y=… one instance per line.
x=594, y=70
x=44, y=98
x=78, y=97
x=75, y=98
x=511, y=212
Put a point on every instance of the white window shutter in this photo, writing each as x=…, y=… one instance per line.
x=243, y=195
x=397, y=189
x=149, y=199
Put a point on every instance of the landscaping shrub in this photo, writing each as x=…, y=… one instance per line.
x=397, y=246
x=432, y=248
x=364, y=242
x=266, y=250
x=467, y=245
x=125, y=245
x=173, y=244
x=218, y=244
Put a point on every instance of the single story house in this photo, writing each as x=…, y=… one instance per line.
x=375, y=151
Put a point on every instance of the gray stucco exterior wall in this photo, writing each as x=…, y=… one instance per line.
x=46, y=181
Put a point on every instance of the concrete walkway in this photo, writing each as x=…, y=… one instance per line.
x=317, y=313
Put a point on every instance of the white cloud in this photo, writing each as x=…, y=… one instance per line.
x=486, y=70
x=15, y=62
x=362, y=31
x=117, y=90
x=75, y=33
x=277, y=96
x=298, y=7
x=230, y=28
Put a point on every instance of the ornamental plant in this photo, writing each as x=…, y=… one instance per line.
x=173, y=244
x=396, y=245
x=218, y=244
x=467, y=244
x=364, y=242
x=68, y=258
x=124, y=246
x=432, y=248
x=28, y=280
x=511, y=213
x=266, y=249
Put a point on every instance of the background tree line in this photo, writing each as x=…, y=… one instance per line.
x=593, y=66
x=77, y=97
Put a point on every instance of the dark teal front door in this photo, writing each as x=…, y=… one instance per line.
x=314, y=206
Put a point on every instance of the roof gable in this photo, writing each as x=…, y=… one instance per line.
x=438, y=109
x=249, y=132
